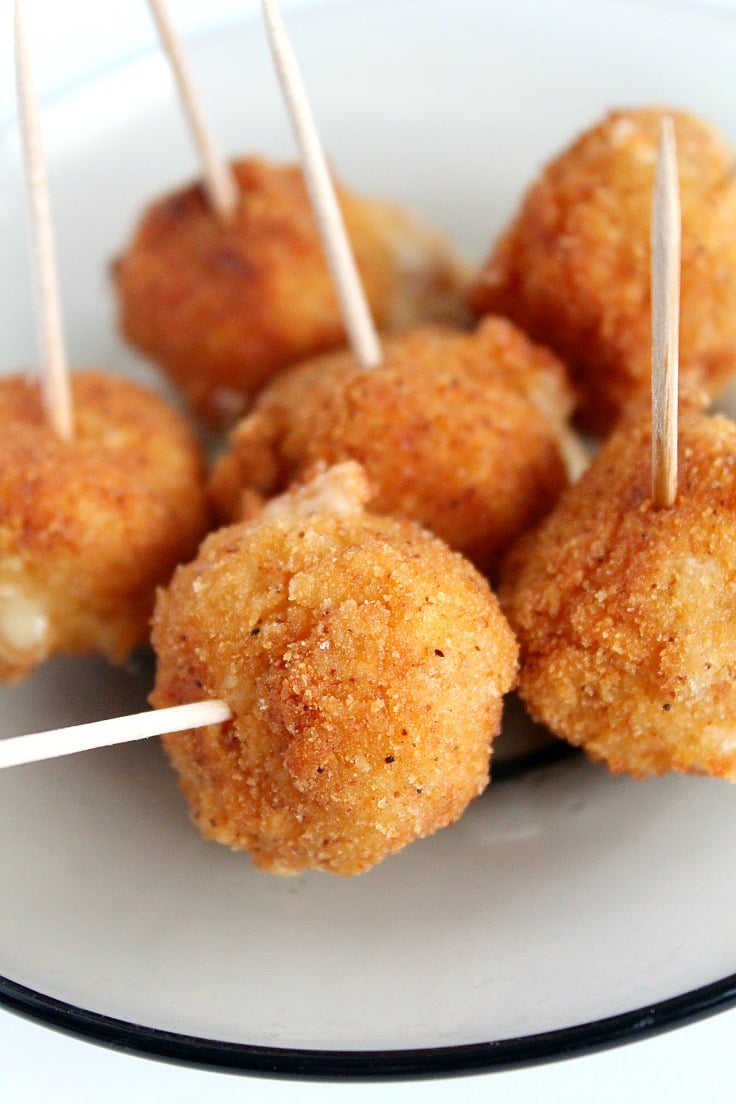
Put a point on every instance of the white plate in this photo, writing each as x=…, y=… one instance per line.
x=568, y=909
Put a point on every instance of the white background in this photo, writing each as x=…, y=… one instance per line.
x=39, y=1066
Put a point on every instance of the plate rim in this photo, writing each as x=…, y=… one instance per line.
x=410, y=1064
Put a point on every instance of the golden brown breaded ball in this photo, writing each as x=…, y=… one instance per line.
x=573, y=269
x=458, y=431
x=222, y=308
x=626, y=615
x=365, y=664
x=89, y=528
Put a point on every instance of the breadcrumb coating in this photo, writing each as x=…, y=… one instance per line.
x=222, y=308
x=365, y=665
x=573, y=269
x=460, y=432
x=626, y=615
x=89, y=528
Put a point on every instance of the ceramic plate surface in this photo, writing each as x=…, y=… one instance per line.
x=568, y=909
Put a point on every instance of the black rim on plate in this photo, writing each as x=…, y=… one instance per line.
x=326, y=1065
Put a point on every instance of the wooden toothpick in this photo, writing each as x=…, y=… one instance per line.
x=355, y=310
x=666, y=235
x=17, y=750
x=54, y=372
x=219, y=182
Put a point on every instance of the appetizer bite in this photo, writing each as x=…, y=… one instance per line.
x=462, y=432
x=364, y=663
x=229, y=281
x=89, y=527
x=222, y=307
x=625, y=613
x=573, y=268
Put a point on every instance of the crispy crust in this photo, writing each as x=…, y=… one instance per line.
x=222, y=308
x=573, y=269
x=365, y=665
x=460, y=432
x=89, y=529
x=626, y=615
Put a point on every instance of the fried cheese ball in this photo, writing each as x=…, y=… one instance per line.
x=573, y=269
x=222, y=308
x=365, y=665
x=626, y=615
x=461, y=432
x=89, y=528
